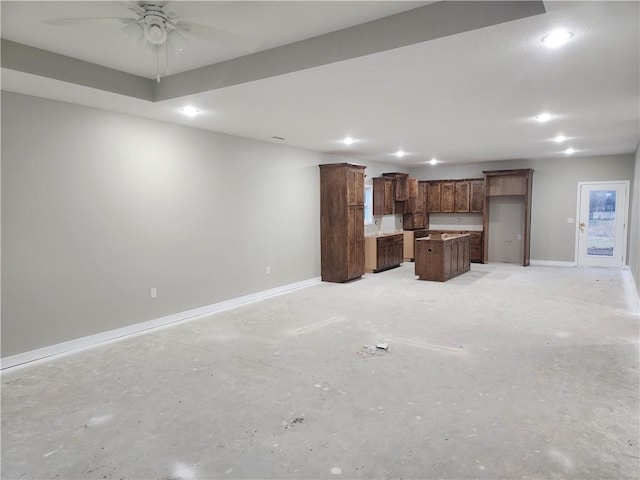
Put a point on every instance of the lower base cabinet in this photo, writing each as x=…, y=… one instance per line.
x=439, y=258
x=383, y=251
x=410, y=237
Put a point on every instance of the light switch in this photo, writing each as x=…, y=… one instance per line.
x=569, y=220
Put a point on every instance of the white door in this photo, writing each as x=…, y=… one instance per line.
x=602, y=223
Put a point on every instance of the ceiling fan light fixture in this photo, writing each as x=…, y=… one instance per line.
x=176, y=42
x=134, y=33
x=155, y=30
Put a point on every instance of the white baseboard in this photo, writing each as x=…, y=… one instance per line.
x=119, y=333
x=632, y=291
x=551, y=263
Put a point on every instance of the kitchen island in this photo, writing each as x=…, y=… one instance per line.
x=440, y=257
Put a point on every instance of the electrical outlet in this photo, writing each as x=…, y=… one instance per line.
x=507, y=243
x=268, y=270
x=153, y=292
x=519, y=236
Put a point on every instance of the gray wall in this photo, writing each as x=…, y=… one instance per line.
x=554, y=196
x=99, y=207
x=634, y=215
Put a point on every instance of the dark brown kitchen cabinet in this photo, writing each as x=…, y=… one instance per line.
x=475, y=240
x=476, y=202
x=413, y=187
x=401, y=191
x=416, y=216
x=383, y=196
x=447, y=197
x=341, y=222
x=383, y=251
x=456, y=196
x=441, y=257
x=433, y=197
x=462, y=194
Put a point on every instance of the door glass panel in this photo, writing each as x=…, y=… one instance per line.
x=601, y=230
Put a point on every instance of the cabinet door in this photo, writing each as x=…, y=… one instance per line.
x=398, y=250
x=382, y=196
x=477, y=196
x=355, y=241
x=433, y=197
x=381, y=253
x=421, y=199
x=447, y=197
x=355, y=186
x=413, y=187
x=461, y=203
x=411, y=221
x=402, y=188
x=410, y=205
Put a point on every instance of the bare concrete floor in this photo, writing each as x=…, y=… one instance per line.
x=504, y=372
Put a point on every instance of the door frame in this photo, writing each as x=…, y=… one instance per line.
x=627, y=185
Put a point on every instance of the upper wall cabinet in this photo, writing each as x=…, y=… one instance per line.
x=401, y=193
x=462, y=197
x=383, y=196
x=456, y=196
x=413, y=187
x=433, y=197
x=447, y=197
x=416, y=215
x=476, y=202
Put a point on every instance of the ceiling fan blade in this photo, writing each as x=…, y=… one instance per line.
x=216, y=35
x=135, y=7
x=89, y=20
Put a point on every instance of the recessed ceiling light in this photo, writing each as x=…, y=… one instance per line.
x=348, y=140
x=544, y=117
x=433, y=161
x=569, y=151
x=190, y=111
x=560, y=139
x=557, y=38
x=399, y=154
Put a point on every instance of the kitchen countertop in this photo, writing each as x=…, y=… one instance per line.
x=384, y=234
x=443, y=236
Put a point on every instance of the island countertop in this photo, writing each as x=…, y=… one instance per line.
x=443, y=236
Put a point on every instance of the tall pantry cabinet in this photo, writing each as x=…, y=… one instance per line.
x=341, y=221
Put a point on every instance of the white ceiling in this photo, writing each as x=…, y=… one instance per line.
x=462, y=97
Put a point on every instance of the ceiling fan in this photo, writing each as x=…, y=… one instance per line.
x=162, y=30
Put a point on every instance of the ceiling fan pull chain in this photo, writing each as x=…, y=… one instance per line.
x=157, y=65
x=166, y=56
